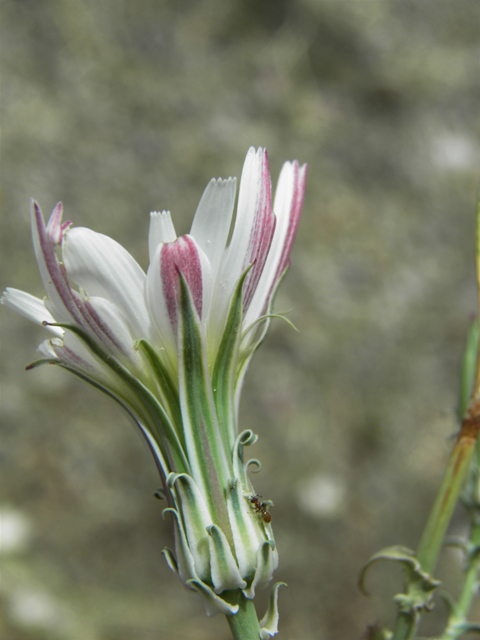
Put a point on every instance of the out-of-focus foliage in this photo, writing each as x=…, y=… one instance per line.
x=118, y=108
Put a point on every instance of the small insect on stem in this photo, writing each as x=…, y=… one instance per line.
x=262, y=508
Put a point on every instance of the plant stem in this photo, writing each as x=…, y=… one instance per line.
x=450, y=489
x=459, y=616
x=441, y=513
x=244, y=624
x=471, y=577
x=452, y=484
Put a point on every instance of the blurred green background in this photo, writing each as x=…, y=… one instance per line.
x=121, y=107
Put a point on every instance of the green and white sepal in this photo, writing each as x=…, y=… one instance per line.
x=269, y=622
x=208, y=562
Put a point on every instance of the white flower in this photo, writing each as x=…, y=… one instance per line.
x=172, y=346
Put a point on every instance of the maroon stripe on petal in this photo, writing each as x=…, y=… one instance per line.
x=262, y=234
x=70, y=357
x=255, y=273
x=299, y=180
x=81, y=312
x=104, y=328
x=56, y=271
x=181, y=256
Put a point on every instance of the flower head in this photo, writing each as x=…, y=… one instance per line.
x=171, y=347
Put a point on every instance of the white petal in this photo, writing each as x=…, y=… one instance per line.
x=30, y=307
x=161, y=230
x=234, y=259
x=211, y=224
x=45, y=349
x=250, y=186
x=109, y=316
x=102, y=267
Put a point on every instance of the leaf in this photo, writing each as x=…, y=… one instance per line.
x=406, y=557
x=419, y=584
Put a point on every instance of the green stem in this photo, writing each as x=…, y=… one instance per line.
x=440, y=516
x=459, y=616
x=244, y=624
x=452, y=483
x=471, y=577
x=405, y=627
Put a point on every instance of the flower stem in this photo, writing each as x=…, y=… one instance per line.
x=244, y=624
x=441, y=513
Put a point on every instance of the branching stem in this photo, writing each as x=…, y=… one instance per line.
x=454, y=629
x=441, y=513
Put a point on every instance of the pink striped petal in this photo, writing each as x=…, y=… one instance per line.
x=52, y=273
x=72, y=352
x=114, y=326
x=55, y=228
x=181, y=256
x=64, y=303
x=290, y=209
x=288, y=206
x=261, y=233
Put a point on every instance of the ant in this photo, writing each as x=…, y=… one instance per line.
x=262, y=508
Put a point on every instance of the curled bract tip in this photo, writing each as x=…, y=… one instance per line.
x=269, y=623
